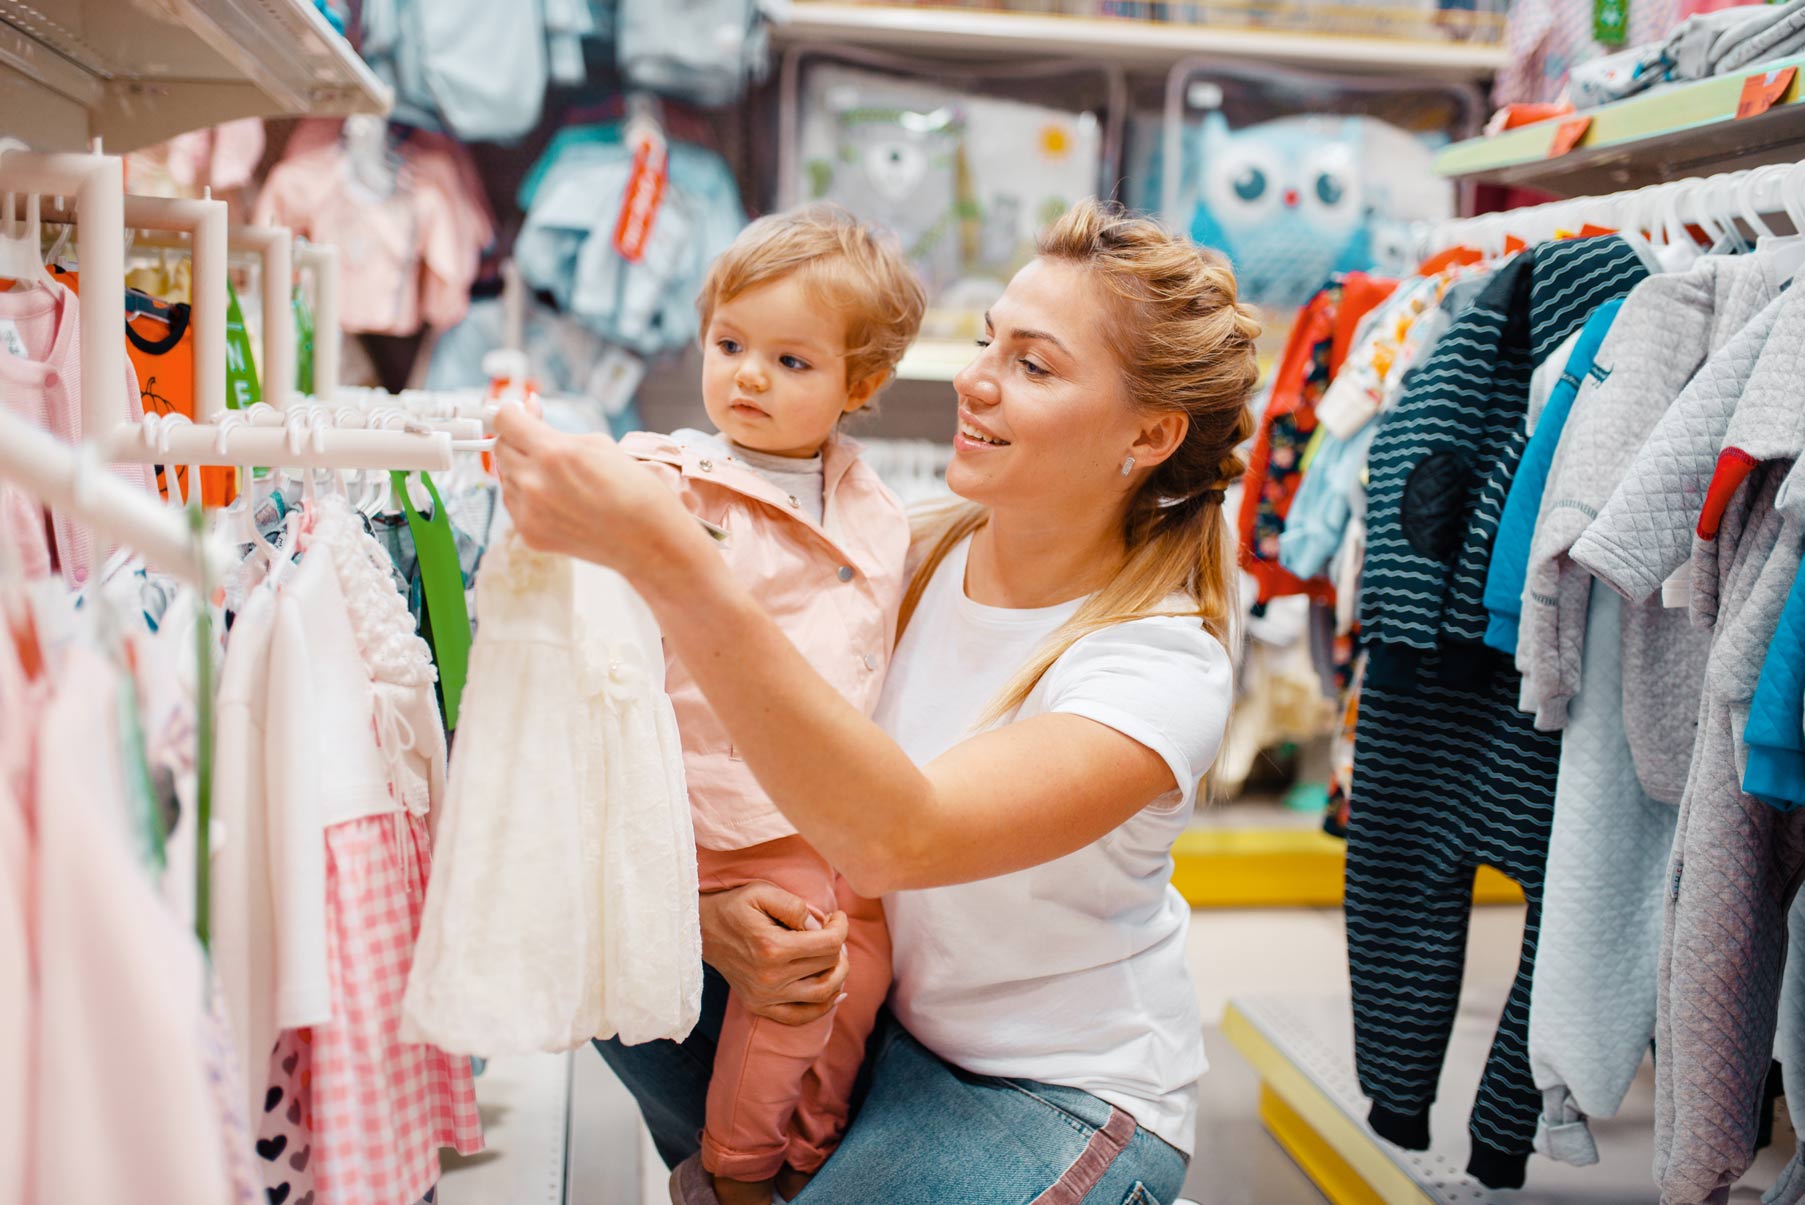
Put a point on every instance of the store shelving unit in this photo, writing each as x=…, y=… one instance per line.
x=1013, y=35
x=1684, y=130
x=133, y=74
x=1311, y=1103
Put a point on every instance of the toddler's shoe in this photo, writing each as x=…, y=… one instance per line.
x=691, y=1184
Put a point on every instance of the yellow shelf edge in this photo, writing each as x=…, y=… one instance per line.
x=1315, y=1114
x=1616, y=126
x=1334, y=1176
x=1282, y=868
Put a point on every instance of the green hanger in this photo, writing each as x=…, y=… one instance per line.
x=447, y=619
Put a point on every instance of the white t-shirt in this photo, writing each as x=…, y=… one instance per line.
x=1072, y=972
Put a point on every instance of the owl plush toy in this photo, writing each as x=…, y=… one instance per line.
x=1285, y=201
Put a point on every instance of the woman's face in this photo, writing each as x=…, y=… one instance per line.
x=1044, y=415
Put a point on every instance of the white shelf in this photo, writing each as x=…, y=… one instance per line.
x=1016, y=36
x=935, y=359
x=125, y=72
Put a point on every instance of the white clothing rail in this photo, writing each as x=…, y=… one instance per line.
x=1743, y=201
x=320, y=260
x=204, y=223
x=97, y=182
x=55, y=474
x=301, y=437
x=274, y=248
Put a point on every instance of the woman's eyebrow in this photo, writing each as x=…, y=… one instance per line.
x=1019, y=333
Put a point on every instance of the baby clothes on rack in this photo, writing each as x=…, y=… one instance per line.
x=409, y=254
x=573, y=196
x=1318, y=343
x=1440, y=465
x=597, y=931
x=352, y=703
x=119, y=982
x=40, y=368
x=1735, y=860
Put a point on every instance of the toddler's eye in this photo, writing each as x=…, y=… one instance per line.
x=730, y=346
x=794, y=364
x=982, y=343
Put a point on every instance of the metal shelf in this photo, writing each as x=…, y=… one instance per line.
x=1014, y=36
x=134, y=74
x=1685, y=130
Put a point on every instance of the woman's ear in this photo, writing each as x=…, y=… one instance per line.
x=861, y=393
x=1159, y=438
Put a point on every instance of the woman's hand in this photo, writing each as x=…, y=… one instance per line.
x=580, y=495
x=779, y=959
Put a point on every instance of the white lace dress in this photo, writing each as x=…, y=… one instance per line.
x=563, y=900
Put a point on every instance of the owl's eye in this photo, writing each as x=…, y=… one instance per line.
x=1329, y=189
x=1250, y=185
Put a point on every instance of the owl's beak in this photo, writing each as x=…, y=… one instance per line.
x=1291, y=198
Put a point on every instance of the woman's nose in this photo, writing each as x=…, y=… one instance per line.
x=976, y=383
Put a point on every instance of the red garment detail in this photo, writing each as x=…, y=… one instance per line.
x=1324, y=328
x=1733, y=468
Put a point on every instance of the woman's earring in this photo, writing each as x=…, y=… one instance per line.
x=1127, y=465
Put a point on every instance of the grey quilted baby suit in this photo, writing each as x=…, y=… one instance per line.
x=1736, y=862
x=1592, y=1010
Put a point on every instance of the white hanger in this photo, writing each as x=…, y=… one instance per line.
x=21, y=243
x=1784, y=255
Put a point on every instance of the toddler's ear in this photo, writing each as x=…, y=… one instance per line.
x=861, y=393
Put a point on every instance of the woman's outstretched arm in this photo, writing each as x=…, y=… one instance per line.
x=1001, y=801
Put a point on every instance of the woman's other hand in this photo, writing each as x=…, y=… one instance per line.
x=780, y=960
x=582, y=496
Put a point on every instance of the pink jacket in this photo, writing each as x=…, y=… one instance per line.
x=833, y=589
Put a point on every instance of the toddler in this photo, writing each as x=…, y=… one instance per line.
x=803, y=320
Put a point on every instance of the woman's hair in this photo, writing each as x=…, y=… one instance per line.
x=1187, y=347
x=847, y=266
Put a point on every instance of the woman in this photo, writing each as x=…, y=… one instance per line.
x=1060, y=688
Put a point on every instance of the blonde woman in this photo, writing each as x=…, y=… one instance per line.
x=1058, y=693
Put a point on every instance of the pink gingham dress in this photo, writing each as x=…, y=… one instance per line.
x=381, y=1108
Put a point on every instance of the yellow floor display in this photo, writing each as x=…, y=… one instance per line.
x=1282, y=868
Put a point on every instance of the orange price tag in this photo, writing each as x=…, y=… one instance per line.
x=1568, y=134
x=643, y=197
x=1761, y=90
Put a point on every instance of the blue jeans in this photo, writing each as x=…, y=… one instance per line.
x=923, y=1131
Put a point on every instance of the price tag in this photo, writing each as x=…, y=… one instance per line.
x=1567, y=135
x=640, y=203
x=1761, y=90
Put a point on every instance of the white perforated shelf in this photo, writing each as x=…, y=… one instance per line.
x=1314, y=1036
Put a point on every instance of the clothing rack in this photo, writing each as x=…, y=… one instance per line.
x=72, y=481
x=204, y=223
x=1728, y=202
x=97, y=182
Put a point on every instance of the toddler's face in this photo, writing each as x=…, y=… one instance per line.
x=774, y=370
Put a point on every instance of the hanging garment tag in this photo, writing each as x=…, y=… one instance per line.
x=1610, y=22
x=1761, y=91
x=642, y=199
x=1567, y=135
x=9, y=338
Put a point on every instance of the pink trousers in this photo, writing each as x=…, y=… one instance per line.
x=780, y=1093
